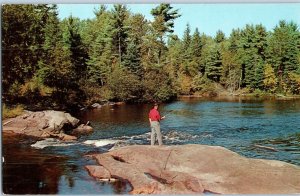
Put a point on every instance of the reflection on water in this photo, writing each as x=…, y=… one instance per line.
x=26, y=171
x=237, y=124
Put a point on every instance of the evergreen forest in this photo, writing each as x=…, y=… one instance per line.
x=121, y=56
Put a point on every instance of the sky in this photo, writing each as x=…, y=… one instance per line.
x=208, y=18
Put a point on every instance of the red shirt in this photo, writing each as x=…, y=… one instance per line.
x=154, y=115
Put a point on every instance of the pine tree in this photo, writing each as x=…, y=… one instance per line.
x=234, y=40
x=220, y=36
x=133, y=56
x=259, y=76
x=232, y=68
x=57, y=69
x=119, y=17
x=196, y=44
x=167, y=15
x=231, y=72
x=187, y=38
x=174, y=56
x=196, y=49
x=163, y=23
x=251, y=50
x=186, y=67
x=261, y=40
x=78, y=51
x=101, y=53
x=214, y=64
x=283, y=49
x=132, y=59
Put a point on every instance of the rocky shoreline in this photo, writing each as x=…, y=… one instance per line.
x=194, y=169
x=46, y=124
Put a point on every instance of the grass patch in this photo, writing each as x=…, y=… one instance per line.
x=11, y=112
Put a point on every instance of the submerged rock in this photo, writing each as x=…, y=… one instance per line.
x=96, y=105
x=83, y=129
x=188, y=169
x=44, y=124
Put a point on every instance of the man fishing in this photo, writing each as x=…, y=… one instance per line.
x=154, y=119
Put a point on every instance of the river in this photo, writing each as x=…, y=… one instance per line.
x=53, y=167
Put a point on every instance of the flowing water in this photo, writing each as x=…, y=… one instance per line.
x=241, y=125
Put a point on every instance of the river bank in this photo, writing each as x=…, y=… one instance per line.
x=220, y=93
x=240, y=95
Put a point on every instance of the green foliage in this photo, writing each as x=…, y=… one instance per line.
x=186, y=40
x=22, y=39
x=270, y=80
x=119, y=16
x=259, y=76
x=283, y=48
x=234, y=40
x=196, y=45
x=118, y=55
x=14, y=89
x=293, y=83
x=123, y=85
x=251, y=50
x=203, y=85
x=258, y=93
x=101, y=48
x=166, y=16
x=214, y=64
x=132, y=59
x=78, y=52
x=34, y=88
x=11, y=112
x=231, y=73
x=220, y=37
x=157, y=86
x=185, y=83
x=174, y=57
x=95, y=94
x=163, y=23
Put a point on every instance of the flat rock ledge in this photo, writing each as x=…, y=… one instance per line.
x=46, y=124
x=194, y=169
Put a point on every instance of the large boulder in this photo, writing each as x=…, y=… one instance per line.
x=43, y=124
x=189, y=169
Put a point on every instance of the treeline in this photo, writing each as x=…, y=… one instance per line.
x=121, y=56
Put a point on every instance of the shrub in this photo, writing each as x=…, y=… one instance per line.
x=270, y=80
x=202, y=84
x=124, y=85
x=14, y=90
x=8, y=112
x=293, y=83
x=95, y=93
x=185, y=84
x=158, y=86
